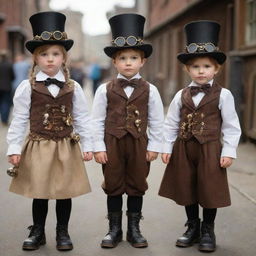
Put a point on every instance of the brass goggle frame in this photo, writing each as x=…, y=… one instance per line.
x=55, y=35
x=204, y=47
x=130, y=41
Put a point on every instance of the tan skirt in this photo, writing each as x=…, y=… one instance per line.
x=51, y=170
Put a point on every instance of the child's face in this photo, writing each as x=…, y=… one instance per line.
x=50, y=60
x=202, y=70
x=128, y=62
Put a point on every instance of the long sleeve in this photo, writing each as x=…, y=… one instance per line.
x=17, y=130
x=171, y=124
x=230, y=124
x=155, y=120
x=98, y=118
x=82, y=119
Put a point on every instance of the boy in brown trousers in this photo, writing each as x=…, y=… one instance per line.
x=197, y=118
x=123, y=109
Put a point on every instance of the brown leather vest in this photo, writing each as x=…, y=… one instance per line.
x=204, y=121
x=127, y=115
x=51, y=118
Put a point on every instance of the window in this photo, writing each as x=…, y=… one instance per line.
x=251, y=21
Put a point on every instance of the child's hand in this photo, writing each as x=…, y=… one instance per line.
x=166, y=158
x=87, y=156
x=225, y=162
x=151, y=156
x=101, y=157
x=14, y=159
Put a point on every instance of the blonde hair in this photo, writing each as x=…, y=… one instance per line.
x=40, y=49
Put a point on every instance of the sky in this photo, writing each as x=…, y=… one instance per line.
x=94, y=12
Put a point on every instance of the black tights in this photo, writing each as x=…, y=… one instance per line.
x=40, y=210
x=115, y=203
x=209, y=214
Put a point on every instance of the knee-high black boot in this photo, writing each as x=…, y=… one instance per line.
x=115, y=233
x=134, y=236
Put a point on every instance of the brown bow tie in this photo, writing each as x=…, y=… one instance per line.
x=133, y=83
x=194, y=90
x=49, y=81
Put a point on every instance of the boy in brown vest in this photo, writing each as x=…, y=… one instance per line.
x=123, y=109
x=197, y=117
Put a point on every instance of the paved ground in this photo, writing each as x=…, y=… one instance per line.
x=163, y=220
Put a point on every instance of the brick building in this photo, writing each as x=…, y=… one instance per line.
x=165, y=22
x=14, y=23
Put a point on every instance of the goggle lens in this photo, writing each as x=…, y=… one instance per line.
x=120, y=41
x=192, y=48
x=57, y=35
x=131, y=40
x=46, y=35
x=209, y=47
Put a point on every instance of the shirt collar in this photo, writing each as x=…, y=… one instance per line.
x=195, y=84
x=41, y=76
x=137, y=76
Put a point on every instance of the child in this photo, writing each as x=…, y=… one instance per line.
x=197, y=116
x=122, y=110
x=50, y=165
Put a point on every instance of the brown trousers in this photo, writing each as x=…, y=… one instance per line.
x=194, y=175
x=127, y=169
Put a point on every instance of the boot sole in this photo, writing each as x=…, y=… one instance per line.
x=137, y=245
x=65, y=247
x=33, y=248
x=206, y=249
x=184, y=245
x=111, y=245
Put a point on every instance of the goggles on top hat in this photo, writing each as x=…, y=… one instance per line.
x=55, y=35
x=204, y=47
x=130, y=40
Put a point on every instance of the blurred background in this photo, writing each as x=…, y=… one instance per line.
x=87, y=24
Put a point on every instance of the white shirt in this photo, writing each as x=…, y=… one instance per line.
x=230, y=128
x=21, y=114
x=155, y=116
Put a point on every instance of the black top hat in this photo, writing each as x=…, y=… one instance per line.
x=202, y=40
x=48, y=28
x=127, y=32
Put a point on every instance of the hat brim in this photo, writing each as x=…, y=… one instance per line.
x=146, y=48
x=33, y=44
x=220, y=57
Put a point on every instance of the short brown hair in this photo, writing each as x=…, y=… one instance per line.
x=211, y=59
x=140, y=52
